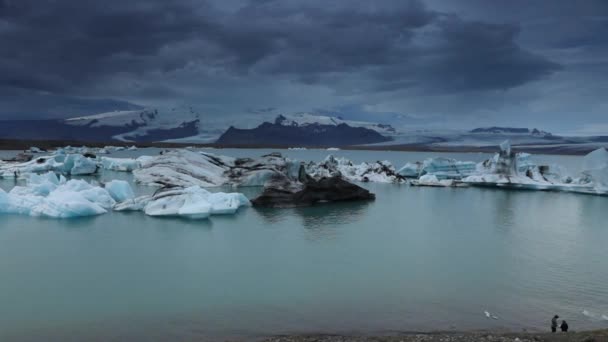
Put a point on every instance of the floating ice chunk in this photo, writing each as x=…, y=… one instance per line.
x=66, y=204
x=595, y=168
x=183, y=168
x=94, y=194
x=333, y=149
x=411, y=170
x=605, y=317
x=505, y=146
x=119, y=164
x=76, y=164
x=193, y=202
x=134, y=204
x=52, y=197
x=35, y=149
x=132, y=148
x=446, y=168
x=380, y=171
x=119, y=190
x=227, y=203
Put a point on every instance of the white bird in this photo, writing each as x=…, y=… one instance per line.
x=605, y=318
x=587, y=313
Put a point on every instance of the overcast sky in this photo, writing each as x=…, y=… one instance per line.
x=431, y=63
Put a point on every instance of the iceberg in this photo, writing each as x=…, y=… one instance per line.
x=49, y=196
x=119, y=190
x=119, y=164
x=70, y=164
x=192, y=202
x=595, y=170
x=183, y=168
x=35, y=149
x=411, y=170
x=380, y=171
x=446, y=168
x=433, y=180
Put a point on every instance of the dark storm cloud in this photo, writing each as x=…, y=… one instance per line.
x=77, y=46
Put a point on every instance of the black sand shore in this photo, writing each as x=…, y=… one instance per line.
x=586, y=336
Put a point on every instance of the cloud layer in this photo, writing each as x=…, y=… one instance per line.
x=237, y=55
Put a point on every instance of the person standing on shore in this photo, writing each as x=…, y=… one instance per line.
x=554, y=323
x=564, y=326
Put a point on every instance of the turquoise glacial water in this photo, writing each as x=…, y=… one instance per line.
x=416, y=259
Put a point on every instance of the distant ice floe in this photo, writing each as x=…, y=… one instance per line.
x=508, y=169
x=67, y=164
x=119, y=164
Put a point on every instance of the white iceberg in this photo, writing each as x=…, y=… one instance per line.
x=49, y=196
x=432, y=180
x=411, y=170
x=193, y=202
x=595, y=169
x=119, y=164
x=119, y=190
x=35, y=149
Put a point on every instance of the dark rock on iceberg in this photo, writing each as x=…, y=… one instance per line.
x=310, y=191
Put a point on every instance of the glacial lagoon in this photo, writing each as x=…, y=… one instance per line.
x=416, y=259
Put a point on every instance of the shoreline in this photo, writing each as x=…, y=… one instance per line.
x=22, y=145
x=450, y=336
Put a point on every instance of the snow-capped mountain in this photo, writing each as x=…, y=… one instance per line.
x=306, y=119
x=142, y=125
x=306, y=130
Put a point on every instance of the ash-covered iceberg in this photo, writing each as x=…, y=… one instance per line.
x=516, y=170
x=192, y=202
x=183, y=168
x=49, y=196
x=380, y=171
x=67, y=164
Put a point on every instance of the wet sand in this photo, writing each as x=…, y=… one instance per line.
x=586, y=336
